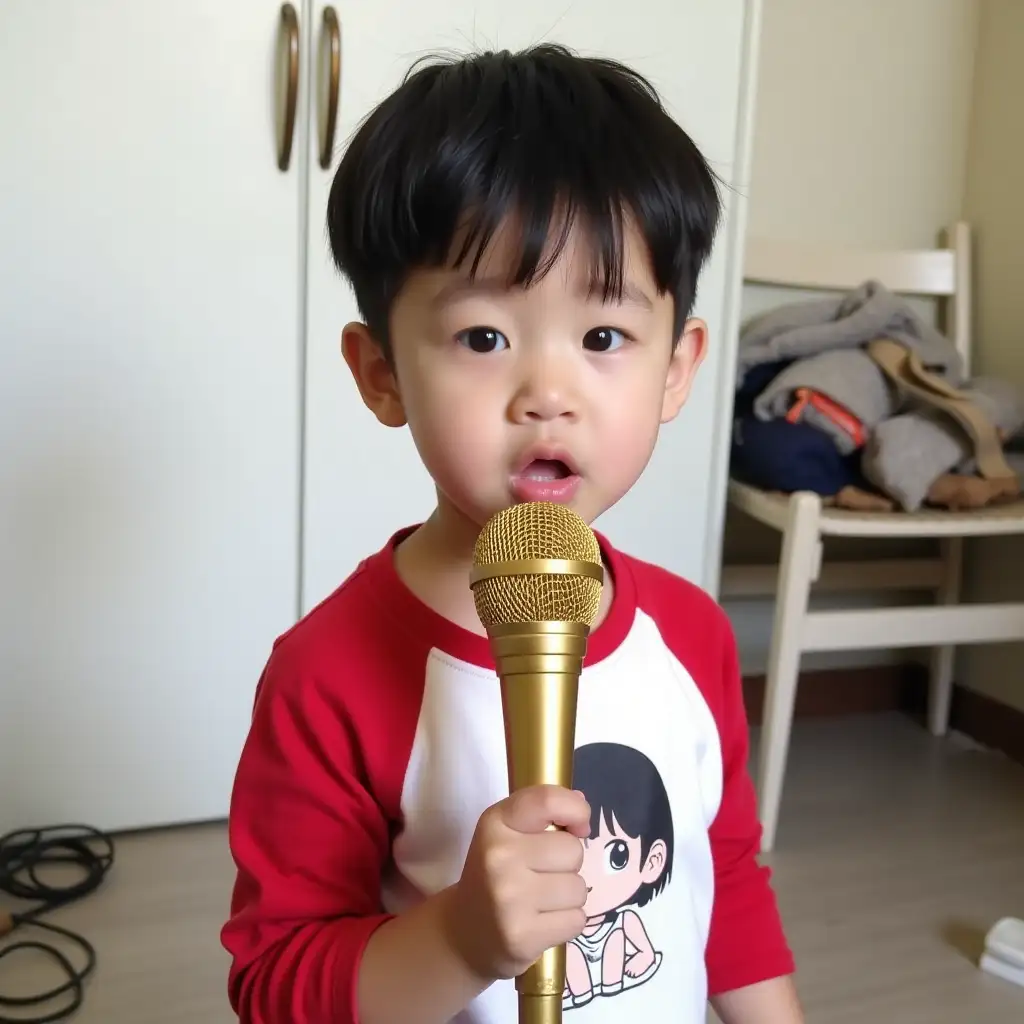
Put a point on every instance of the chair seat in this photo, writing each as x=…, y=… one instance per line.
x=772, y=508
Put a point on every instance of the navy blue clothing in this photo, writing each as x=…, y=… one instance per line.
x=776, y=455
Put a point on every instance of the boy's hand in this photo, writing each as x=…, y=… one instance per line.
x=521, y=891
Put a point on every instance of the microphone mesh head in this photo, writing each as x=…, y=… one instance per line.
x=537, y=529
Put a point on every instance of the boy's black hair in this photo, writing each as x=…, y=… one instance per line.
x=543, y=136
x=625, y=790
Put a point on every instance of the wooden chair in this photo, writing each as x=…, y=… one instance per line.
x=804, y=521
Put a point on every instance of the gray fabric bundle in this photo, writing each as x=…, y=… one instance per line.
x=908, y=444
x=848, y=376
x=803, y=329
x=907, y=453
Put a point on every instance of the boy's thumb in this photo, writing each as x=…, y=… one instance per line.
x=537, y=808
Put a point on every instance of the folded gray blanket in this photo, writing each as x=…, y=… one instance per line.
x=803, y=329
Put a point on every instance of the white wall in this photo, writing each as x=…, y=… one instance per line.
x=863, y=115
x=860, y=137
x=994, y=204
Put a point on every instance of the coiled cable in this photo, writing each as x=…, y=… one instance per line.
x=26, y=856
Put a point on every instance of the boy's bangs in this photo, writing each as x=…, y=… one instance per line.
x=526, y=239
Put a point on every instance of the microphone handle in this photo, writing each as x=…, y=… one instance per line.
x=539, y=665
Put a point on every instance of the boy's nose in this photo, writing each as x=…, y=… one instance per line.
x=542, y=398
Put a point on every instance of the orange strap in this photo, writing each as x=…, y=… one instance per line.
x=840, y=416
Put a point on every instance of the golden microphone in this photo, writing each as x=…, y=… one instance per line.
x=537, y=579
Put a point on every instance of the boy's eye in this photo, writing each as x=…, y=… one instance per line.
x=482, y=339
x=617, y=853
x=603, y=339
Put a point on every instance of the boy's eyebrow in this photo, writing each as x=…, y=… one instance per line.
x=630, y=294
x=635, y=295
x=462, y=286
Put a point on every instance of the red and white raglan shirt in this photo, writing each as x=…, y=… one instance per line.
x=376, y=743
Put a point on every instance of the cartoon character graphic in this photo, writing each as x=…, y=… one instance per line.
x=627, y=861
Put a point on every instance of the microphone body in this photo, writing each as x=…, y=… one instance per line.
x=539, y=665
x=537, y=580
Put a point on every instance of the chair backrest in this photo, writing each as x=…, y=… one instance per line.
x=942, y=272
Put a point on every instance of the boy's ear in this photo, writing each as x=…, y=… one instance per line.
x=373, y=374
x=683, y=366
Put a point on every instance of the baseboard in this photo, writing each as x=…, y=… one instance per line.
x=988, y=722
x=828, y=693
x=875, y=688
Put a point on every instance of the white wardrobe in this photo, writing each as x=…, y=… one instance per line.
x=185, y=465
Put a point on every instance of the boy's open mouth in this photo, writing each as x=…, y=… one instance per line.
x=547, y=473
x=547, y=469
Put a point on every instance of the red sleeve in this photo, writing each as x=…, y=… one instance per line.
x=315, y=795
x=746, y=943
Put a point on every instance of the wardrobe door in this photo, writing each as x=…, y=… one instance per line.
x=362, y=480
x=150, y=406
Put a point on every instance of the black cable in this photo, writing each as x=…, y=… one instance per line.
x=24, y=856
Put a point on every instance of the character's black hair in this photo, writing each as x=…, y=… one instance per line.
x=542, y=136
x=625, y=790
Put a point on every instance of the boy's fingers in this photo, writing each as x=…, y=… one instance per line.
x=539, y=807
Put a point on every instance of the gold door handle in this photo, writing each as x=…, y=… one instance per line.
x=330, y=58
x=288, y=70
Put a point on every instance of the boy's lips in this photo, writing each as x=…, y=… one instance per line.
x=546, y=461
x=545, y=473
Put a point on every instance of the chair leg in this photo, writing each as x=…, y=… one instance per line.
x=940, y=687
x=799, y=567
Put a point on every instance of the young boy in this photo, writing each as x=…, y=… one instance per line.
x=524, y=234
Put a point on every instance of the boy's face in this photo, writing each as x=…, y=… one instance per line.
x=545, y=393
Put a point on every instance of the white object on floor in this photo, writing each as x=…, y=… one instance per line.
x=1004, y=950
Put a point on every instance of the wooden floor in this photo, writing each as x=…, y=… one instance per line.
x=895, y=853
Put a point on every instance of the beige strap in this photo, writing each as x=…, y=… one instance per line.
x=903, y=367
